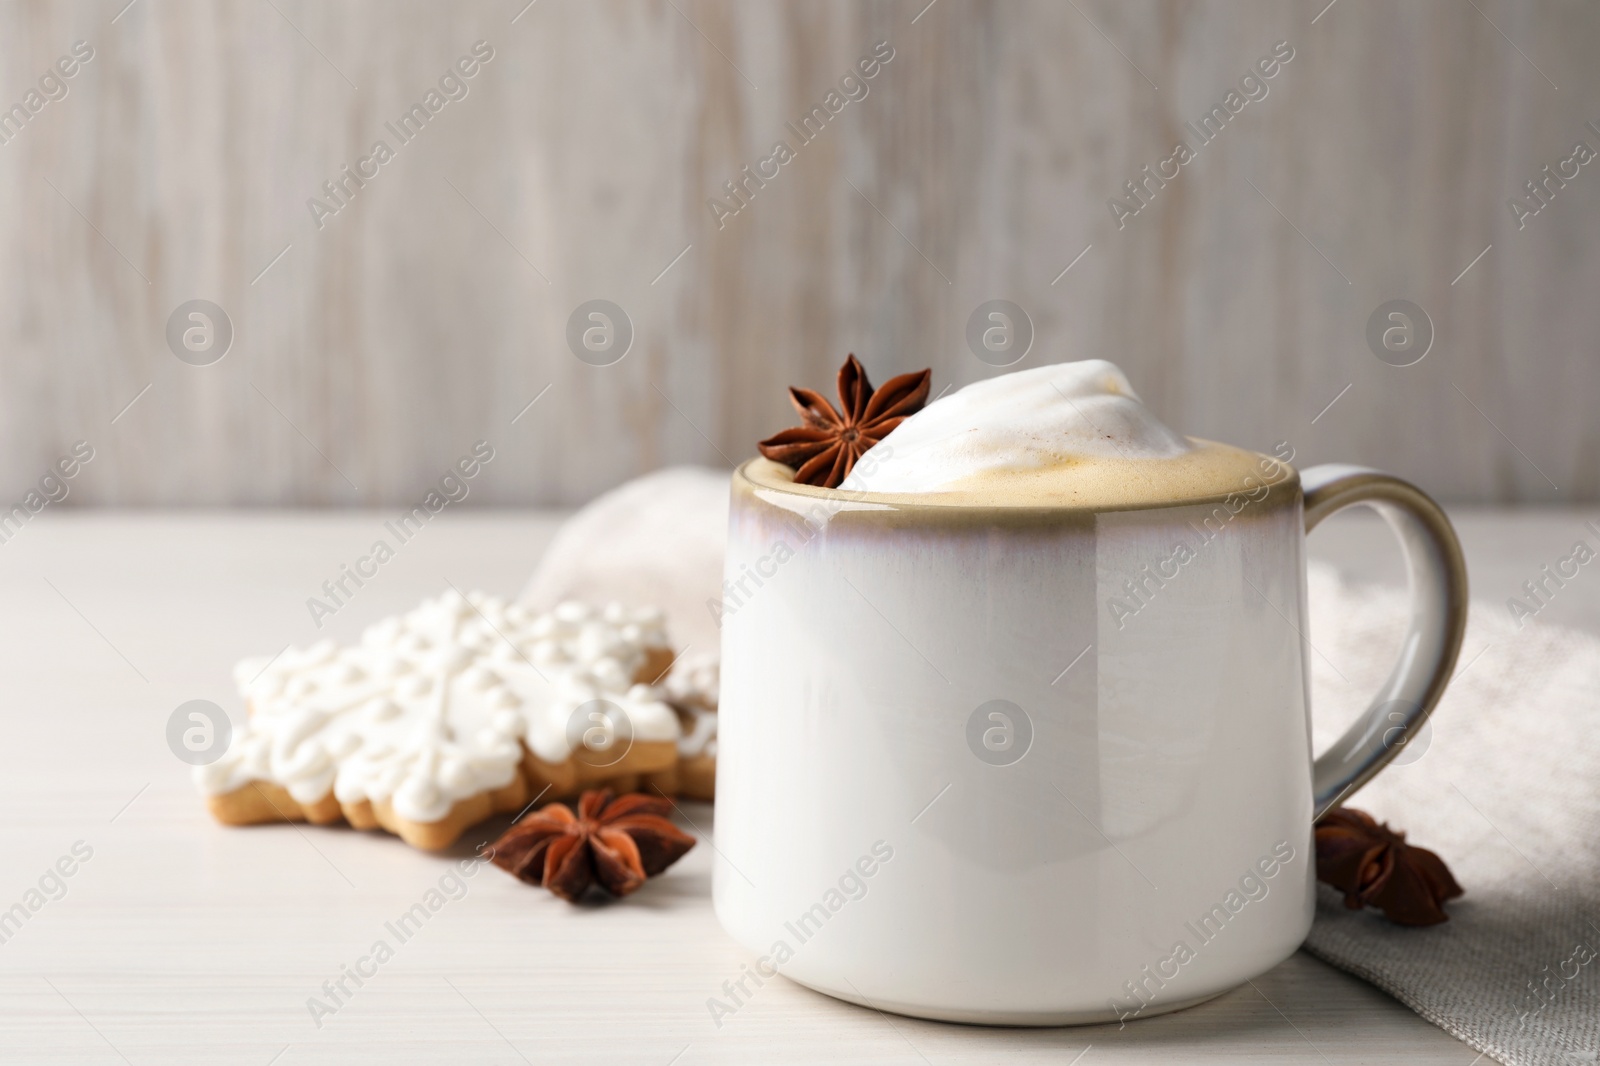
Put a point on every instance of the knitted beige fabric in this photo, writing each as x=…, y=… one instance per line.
x=657, y=540
x=1504, y=783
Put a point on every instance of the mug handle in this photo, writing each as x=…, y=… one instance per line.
x=1438, y=576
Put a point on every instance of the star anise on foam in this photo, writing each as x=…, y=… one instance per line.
x=1374, y=866
x=613, y=842
x=823, y=451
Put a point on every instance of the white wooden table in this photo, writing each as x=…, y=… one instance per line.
x=180, y=941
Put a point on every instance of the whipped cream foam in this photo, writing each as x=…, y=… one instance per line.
x=1073, y=433
x=1027, y=420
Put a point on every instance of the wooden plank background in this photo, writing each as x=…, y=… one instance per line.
x=427, y=313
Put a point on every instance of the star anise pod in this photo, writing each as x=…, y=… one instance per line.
x=823, y=451
x=1374, y=866
x=615, y=843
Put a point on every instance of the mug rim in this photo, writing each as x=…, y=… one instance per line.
x=929, y=502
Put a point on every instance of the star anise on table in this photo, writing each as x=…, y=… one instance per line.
x=1374, y=866
x=824, y=449
x=613, y=842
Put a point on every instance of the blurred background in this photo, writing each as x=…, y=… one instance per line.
x=360, y=334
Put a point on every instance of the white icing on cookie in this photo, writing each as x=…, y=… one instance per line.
x=429, y=708
x=699, y=734
x=694, y=687
x=696, y=678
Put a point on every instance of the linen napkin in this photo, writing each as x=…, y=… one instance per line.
x=1504, y=783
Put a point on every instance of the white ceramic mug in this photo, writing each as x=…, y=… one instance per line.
x=1038, y=765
